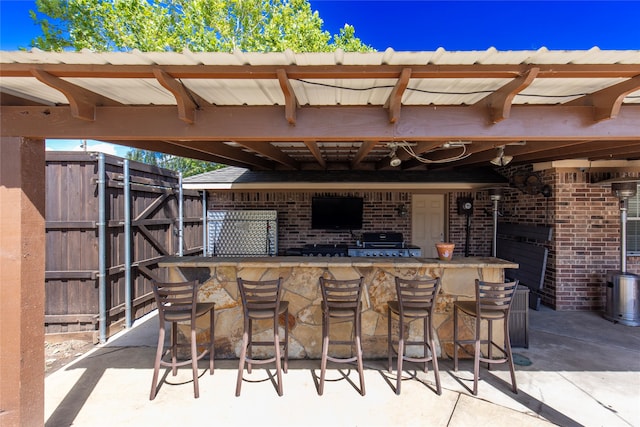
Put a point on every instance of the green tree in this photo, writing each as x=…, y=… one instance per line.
x=197, y=25
x=188, y=167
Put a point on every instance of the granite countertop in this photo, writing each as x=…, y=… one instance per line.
x=303, y=261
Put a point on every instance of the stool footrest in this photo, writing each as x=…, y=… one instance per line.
x=259, y=361
x=342, y=359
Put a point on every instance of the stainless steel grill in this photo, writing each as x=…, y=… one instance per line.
x=388, y=244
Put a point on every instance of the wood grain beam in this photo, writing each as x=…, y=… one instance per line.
x=365, y=148
x=394, y=102
x=313, y=147
x=631, y=152
x=483, y=153
x=585, y=150
x=426, y=71
x=608, y=101
x=186, y=105
x=168, y=147
x=543, y=151
x=336, y=123
x=499, y=102
x=268, y=150
x=228, y=153
x=290, y=100
x=81, y=101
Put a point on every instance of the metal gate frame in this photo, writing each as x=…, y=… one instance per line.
x=109, y=225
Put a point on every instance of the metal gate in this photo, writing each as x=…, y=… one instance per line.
x=108, y=222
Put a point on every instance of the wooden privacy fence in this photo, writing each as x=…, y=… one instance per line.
x=108, y=222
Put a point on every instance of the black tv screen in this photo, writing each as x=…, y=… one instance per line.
x=336, y=213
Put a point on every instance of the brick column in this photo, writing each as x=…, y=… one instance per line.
x=22, y=265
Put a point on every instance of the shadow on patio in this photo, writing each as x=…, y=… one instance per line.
x=584, y=371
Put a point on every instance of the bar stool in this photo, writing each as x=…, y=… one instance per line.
x=341, y=299
x=493, y=302
x=261, y=301
x=416, y=300
x=178, y=302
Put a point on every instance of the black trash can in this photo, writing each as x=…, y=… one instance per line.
x=623, y=298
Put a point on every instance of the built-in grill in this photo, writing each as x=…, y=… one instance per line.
x=324, y=250
x=387, y=244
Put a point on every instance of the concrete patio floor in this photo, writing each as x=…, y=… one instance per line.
x=584, y=370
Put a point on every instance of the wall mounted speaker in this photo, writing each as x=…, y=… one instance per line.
x=465, y=206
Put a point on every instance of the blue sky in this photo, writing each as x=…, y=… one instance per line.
x=429, y=25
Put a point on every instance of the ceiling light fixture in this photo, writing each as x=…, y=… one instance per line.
x=395, y=160
x=501, y=159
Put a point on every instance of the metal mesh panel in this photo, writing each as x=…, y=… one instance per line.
x=242, y=233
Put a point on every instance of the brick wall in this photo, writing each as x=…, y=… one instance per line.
x=294, y=214
x=380, y=214
x=586, y=237
x=480, y=224
x=585, y=216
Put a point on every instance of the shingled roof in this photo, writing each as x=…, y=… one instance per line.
x=239, y=178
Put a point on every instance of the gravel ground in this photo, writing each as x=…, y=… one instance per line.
x=58, y=354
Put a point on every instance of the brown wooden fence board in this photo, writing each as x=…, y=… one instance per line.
x=72, y=217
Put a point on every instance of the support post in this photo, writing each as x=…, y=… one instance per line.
x=204, y=224
x=181, y=217
x=22, y=266
x=127, y=245
x=495, y=194
x=102, y=249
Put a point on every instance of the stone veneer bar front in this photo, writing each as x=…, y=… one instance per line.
x=302, y=289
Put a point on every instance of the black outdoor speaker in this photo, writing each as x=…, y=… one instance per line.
x=465, y=205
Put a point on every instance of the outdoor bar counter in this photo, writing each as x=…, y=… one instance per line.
x=301, y=288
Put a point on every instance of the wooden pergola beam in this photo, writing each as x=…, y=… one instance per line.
x=586, y=149
x=220, y=149
x=81, y=101
x=290, y=100
x=268, y=150
x=332, y=72
x=186, y=105
x=168, y=147
x=499, y=102
x=331, y=123
x=608, y=101
x=394, y=102
x=315, y=151
x=365, y=148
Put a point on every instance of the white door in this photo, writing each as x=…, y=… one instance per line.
x=427, y=222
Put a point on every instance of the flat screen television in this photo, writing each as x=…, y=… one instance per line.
x=336, y=213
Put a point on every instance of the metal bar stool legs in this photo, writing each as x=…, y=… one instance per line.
x=492, y=303
x=261, y=301
x=416, y=300
x=341, y=299
x=178, y=302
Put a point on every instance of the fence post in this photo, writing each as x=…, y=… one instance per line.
x=127, y=244
x=102, y=249
x=180, y=215
x=204, y=223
